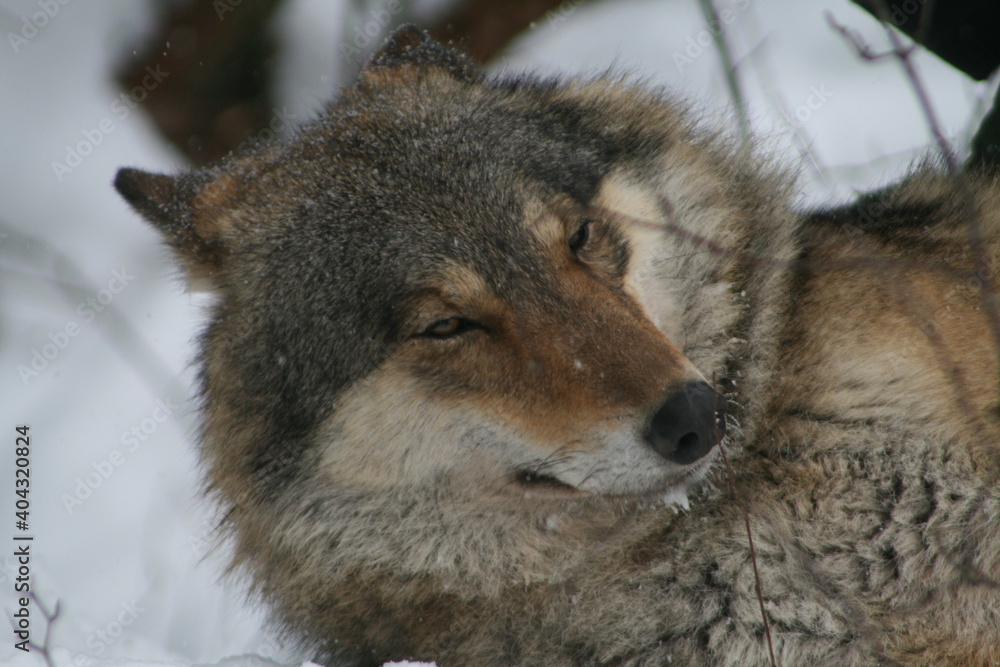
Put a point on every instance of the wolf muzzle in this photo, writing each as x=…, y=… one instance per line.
x=688, y=424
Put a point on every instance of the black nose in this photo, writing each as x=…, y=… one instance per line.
x=683, y=427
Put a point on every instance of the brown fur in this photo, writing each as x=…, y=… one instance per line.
x=487, y=498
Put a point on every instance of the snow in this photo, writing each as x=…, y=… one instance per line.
x=677, y=500
x=120, y=535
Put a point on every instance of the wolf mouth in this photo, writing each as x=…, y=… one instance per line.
x=532, y=481
x=538, y=484
x=677, y=485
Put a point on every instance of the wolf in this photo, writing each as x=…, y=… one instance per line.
x=523, y=371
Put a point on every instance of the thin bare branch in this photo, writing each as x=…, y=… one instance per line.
x=45, y=648
x=746, y=520
x=851, y=263
x=728, y=65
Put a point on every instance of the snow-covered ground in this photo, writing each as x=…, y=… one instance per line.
x=97, y=331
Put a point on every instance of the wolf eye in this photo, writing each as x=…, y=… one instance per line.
x=580, y=236
x=449, y=326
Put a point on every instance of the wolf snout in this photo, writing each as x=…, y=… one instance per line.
x=686, y=426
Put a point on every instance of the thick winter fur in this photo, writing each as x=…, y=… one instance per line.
x=446, y=313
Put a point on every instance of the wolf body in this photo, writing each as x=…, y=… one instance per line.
x=472, y=334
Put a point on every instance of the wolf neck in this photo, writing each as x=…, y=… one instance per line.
x=761, y=284
x=714, y=267
x=470, y=540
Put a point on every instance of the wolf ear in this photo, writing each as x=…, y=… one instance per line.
x=408, y=45
x=189, y=210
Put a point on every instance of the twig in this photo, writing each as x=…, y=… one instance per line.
x=746, y=521
x=917, y=309
x=45, y=648
x=728, y=66
x=863, y=50
x=50, y=619
x=850, y=263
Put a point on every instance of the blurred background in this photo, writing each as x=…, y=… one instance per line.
x=97, y=331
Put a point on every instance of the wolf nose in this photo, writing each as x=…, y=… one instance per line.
x=682, y=430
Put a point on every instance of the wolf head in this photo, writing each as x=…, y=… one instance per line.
x=501, y=297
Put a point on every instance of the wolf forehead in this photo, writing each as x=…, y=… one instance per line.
x=407, y=173
x=399, y=181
